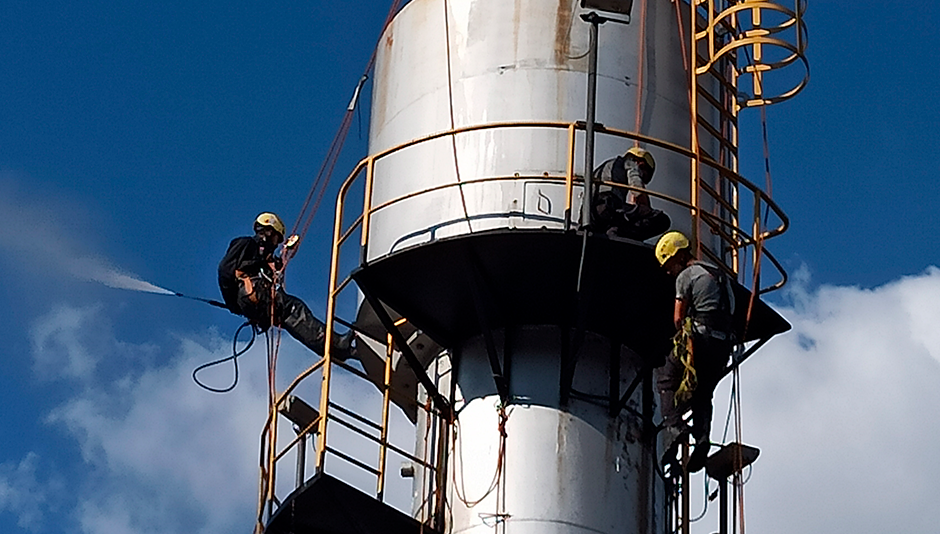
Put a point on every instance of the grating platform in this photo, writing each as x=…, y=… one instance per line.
x=525, y=277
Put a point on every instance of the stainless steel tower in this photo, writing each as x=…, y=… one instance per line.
x=521, y=348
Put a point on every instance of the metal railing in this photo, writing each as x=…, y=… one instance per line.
x=332, y=413
x=722, y=221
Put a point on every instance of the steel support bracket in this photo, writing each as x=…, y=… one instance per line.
x=402, y=344
x=480, y=303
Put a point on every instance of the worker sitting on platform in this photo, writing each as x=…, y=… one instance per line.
x=703, y=317
x=247, y=281
x=622, y=212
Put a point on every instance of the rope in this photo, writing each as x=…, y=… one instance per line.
x=322, y=179
x=685, y=59
x=300, y=227
x=641, y=52
x=497, y=475
x=738, y=485
x=453, y=122
x=693, y=120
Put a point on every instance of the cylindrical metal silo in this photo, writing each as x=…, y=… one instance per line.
x=467, y=63
x=550, y=466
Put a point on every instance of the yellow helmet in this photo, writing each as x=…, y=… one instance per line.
x=669, y=244
x=644, y=155
x=272, y=220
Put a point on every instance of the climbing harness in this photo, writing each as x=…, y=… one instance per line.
x=682, y=343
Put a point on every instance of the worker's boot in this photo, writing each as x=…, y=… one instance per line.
x=670, y=438
x=344, y=346
x=699, y=455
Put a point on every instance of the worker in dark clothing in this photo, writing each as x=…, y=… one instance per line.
x=703, y=317
x=247, y=281
x=622, y=212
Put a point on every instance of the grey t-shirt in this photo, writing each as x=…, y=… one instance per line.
x=700, y=289
x=622, y=171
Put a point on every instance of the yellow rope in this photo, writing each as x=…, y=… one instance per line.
x=684, y=353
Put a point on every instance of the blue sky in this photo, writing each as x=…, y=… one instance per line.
x=144, y=137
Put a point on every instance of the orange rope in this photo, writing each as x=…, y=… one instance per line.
x=641, y=52
x=303, y=222
x=500, y=458
x=685, y=58
x=322, y=179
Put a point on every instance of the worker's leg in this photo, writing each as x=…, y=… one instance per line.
x=711, y=357
x=606, y=211
x=300, y=323
x=644, y=223
x=668, y=378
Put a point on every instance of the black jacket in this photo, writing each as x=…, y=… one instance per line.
x=248, y=255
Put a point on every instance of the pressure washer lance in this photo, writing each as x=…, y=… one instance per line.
x=290, y=244
x=200, y=299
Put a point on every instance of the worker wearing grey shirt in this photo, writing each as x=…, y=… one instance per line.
x=705, y=296
x=627, y=212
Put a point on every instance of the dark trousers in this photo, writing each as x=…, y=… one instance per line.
x=710, y=359
x=630, y=220
x=289, y=312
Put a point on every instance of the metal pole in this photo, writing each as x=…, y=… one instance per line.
x=723, y=503
x=686, y=502
x=595, y=20
x=301, y=460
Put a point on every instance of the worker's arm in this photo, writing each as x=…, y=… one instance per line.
x=679, y=313
x=634, y=175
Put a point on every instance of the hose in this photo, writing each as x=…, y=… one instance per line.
x=234, y=357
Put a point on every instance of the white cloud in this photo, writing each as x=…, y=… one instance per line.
x=162, y=455
x=21, y=493
x=59, y=343
x=846, y=409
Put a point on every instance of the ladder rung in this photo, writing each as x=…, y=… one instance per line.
x=725, y=112
x=714, y=132
x=720, y=199
x=715, y=73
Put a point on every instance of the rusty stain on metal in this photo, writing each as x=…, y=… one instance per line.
x=563, y=32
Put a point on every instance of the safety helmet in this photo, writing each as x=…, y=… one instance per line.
x=669, y=244
x=644, y=155
x=272, y=220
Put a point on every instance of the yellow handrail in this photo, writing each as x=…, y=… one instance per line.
x=761, y=198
